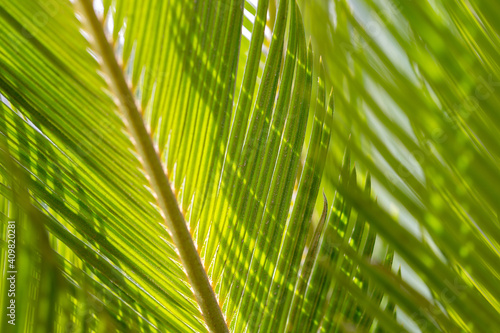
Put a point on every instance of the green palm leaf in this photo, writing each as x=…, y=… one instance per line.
x=162, y=161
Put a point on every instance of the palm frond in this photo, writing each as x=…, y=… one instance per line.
x=415, y=80
x=95, y=185
x=162, y=161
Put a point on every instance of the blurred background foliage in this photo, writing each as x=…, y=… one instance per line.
x=417, y=83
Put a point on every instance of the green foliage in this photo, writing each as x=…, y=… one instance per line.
x=163, y=166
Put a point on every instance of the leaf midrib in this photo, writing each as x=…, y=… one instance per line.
x=167, y=201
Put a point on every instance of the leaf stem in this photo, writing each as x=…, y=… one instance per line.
x=167, y=201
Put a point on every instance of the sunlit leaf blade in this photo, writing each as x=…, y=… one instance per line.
x=88, y=176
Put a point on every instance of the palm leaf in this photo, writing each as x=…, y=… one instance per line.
x=414, y=80
x=107, y=174
x=159, y=163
